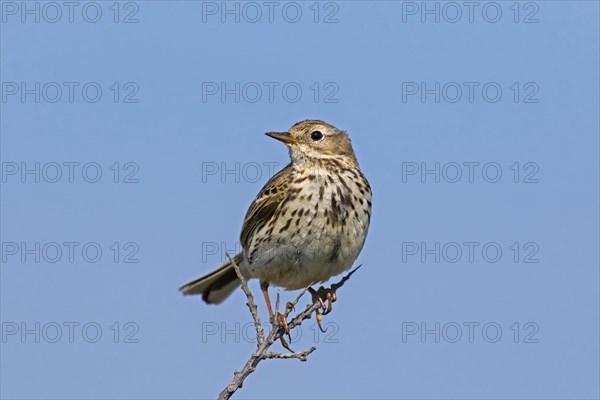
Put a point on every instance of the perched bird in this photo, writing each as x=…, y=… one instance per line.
x=308, y=223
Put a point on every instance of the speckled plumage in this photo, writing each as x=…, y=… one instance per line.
x=308, y=223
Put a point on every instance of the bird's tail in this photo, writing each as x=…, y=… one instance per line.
x=217, y=285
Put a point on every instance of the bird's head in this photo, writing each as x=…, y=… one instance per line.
x=314, y=140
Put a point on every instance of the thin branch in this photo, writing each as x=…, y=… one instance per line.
x=293, y=303
x=276, y=333
x=301, y=355
x=260, y=333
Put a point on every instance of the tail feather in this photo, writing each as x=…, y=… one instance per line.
x=217, y=285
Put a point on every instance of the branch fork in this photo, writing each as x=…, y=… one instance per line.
x=277, y=332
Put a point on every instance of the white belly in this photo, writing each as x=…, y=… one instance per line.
x=318, y=245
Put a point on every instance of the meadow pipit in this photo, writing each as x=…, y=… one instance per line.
x=307, y=224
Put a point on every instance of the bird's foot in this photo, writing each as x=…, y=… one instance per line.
x=279, y=321
x=323, y=295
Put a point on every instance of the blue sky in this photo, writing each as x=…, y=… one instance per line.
x=132, y=144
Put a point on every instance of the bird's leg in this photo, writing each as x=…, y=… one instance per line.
x=264, y=286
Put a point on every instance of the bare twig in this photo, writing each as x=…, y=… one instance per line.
x=260, y=333
x=301, y=355
x=296, y=300
x=263, y=344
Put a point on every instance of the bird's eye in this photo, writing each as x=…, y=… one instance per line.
x=316, y=135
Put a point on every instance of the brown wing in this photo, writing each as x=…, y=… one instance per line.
x=265, y=205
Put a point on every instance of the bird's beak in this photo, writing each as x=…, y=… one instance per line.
x=285, y=137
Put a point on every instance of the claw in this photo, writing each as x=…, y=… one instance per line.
x=331, y=297
x=319, y=319
x=285, y=344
